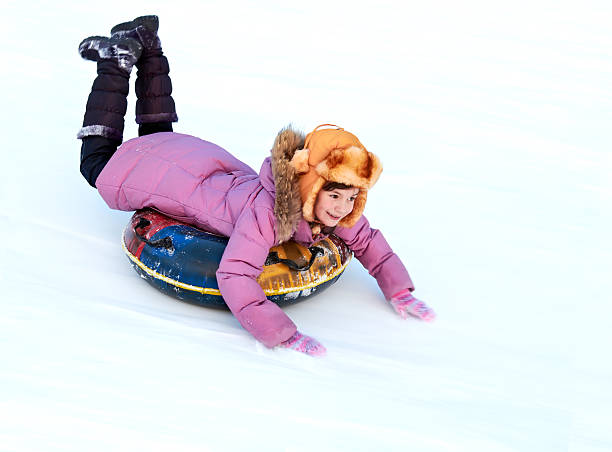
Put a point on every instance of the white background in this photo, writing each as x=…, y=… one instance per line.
x=493, y=123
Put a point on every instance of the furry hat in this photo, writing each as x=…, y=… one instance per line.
x=334, y=155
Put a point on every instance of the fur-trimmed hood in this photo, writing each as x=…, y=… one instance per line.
x=299, y=174
x=287, y=201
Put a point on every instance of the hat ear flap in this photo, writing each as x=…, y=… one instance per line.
x=374, y=169
x=300, y=161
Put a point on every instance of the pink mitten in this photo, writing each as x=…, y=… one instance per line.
x=404, y=303
x=305, y=344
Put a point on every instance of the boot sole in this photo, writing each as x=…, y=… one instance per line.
x=89, y=50
x=151, y=23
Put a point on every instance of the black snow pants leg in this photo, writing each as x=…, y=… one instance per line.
x=155, y=109
x=102, y=130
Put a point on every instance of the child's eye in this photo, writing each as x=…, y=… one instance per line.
x=333, y=195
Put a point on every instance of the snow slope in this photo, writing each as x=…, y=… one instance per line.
x=493, y=124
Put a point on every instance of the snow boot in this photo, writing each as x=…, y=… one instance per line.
x=124, y=51
x=155, y=108
x=143, y=28
x=107, y=102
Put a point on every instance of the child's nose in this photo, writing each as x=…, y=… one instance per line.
x=343, y=207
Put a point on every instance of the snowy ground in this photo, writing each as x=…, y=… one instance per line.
x=493, y=123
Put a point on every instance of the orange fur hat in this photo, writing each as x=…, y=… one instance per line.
x=334, y=155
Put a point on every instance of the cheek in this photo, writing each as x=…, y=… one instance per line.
x=318, y=203
x=324, y=202
x=319, y=207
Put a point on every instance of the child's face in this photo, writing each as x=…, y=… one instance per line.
x=333, y=205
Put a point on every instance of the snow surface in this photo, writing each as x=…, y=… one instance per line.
x=493, y=122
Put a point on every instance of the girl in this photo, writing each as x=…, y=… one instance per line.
x=309, y=187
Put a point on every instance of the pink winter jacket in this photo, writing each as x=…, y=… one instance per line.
x=200, y=183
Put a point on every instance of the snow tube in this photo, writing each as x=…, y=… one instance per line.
x=182, y=261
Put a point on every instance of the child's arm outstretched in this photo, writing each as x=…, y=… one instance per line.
x=373, y=251
x=241, y=264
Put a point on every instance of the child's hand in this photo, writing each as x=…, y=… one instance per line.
x=304, y=344
x=404, y=303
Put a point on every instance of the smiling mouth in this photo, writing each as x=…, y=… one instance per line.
x=333, y=217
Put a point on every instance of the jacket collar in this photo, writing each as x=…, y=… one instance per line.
x=280, y=179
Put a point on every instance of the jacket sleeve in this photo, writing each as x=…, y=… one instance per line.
x=375, y=254
x=241, y=264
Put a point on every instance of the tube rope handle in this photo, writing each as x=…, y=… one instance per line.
x=165, y=242
x=274, y=259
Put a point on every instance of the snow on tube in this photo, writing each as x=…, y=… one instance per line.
x=182, y=261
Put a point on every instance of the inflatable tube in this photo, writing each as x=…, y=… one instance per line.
x=182, y=261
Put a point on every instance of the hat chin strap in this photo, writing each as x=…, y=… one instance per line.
x=317, y=227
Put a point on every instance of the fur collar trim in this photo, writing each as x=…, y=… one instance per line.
x=287, y=201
